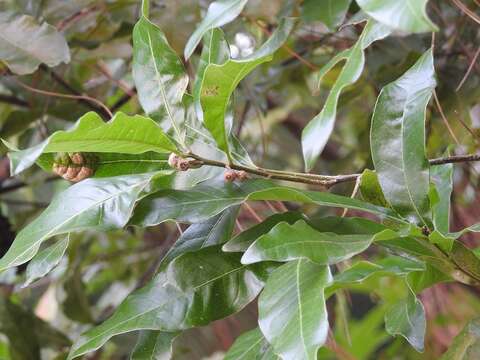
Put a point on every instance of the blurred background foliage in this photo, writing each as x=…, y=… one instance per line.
x=272, y=106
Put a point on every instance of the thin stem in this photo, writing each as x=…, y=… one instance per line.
x=313, y=179
x=66, y=96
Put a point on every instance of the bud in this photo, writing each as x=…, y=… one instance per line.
x=229, y=175
x=242, y=175
x=173, y=160
x=183, y=165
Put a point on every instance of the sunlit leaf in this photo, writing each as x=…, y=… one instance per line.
x=398, y=140
x=406, y=15
x=193, y=290
x=122, y=134
x=220, y=80
x=285, y=242
x=101, y=204
x=219, y=13
x=242, y=241
x=292, y=312
x=159, y=75
x=206, y=200
x=318, y=131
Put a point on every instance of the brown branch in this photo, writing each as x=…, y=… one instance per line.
x=90, y=102
x=326, y=181
x=88, y=99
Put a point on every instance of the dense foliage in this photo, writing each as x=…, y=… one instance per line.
x=283, y=189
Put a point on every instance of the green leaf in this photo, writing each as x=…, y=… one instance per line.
x=219, y=13
x=442, y=178
x=398, y=140
x=251, y=345
x=159, y=75
x=195, y=289
x=25, y=44
x=466, y=345
x=407, y=318
x=122, y=134
x=371, y=190
x=362, y=270
x=466, y=259
x=206, y=200
x=318, y=131
x=215, y=231
x=101, y=204
x=154, y=345
x=242, y=241
x=45, y=261
x=285, y=242
x=215, y=51
x=220, y=80
x=292, y=312
x=406, y=15
x=330, y=12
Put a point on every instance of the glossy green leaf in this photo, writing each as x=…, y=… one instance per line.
x=122, y=134
x=154, y=345
x=219, y=13
x=407, y=318
x=285, y=242
x=100, y=204
x=371, y=190
x=242, y=241
x=206, y=200
x=442, y=178
x=292, y=312
x=251, y=345
x=318, y=131
x=330, y=12
x=362, y=270
x=215, y=231
x=406, y=15
x=25, y=44
x=220, y=80
x=195, y=289
x=466, y=345
x=215, y=51
x=45, y=261
x=159, y=75
x=398, y=140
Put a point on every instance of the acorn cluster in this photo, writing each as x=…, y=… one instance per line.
x=74, y=167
